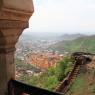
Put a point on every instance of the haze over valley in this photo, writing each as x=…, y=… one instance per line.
x=55, y=42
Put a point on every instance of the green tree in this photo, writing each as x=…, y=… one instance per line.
x=64, y=68
x=50, y=78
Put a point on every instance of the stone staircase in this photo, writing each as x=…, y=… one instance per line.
x=66, y=84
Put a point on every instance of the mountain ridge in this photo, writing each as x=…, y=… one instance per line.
x=82, y=44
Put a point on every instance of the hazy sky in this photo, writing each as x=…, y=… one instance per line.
x=67, y=16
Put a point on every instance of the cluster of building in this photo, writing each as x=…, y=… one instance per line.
x=43, y=60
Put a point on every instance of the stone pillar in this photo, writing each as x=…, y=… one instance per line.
x=14, y=16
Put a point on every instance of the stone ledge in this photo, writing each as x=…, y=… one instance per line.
x=11, y=14
x=22, y=5
x=12, y=24
x=16, y=9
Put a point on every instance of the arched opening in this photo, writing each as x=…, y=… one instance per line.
x=75, y=18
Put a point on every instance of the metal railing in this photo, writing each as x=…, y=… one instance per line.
x=18, y=88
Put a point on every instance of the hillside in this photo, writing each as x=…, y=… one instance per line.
x=86, y=44
x=68, y=37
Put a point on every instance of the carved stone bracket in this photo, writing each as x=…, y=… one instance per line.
x=12, y=24
x=14, y=14
x=14, y=17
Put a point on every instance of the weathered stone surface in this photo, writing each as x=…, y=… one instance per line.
x=23, y=5
x=16, y=9
x=14, y=16
x=8, y=39
x=7, y=69
x=4, y=24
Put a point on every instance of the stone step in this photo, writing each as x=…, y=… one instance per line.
x=75, y=72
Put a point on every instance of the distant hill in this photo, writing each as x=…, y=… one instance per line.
x=48, y=36
x=40, y=36
x=86, y=44
x=69, y=37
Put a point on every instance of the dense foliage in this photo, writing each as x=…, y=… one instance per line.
x=64, y=67
x=50, y=78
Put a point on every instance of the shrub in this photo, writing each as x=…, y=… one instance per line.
x=64, y=68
